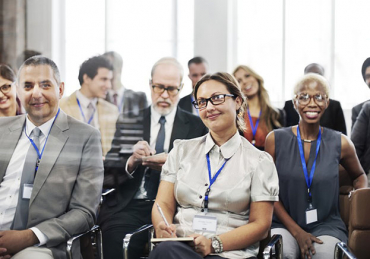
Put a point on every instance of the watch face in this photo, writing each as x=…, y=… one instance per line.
x=215, y=244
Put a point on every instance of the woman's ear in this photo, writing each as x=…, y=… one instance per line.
x=239, y=102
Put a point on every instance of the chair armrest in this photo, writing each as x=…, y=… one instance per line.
x=96, y=230
x=277, y=242
x=341, y=249
x=105, y=193
x=126, y=240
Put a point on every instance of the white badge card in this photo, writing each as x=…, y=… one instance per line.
x=311, y=216
x=27, y=191
x=205, y=223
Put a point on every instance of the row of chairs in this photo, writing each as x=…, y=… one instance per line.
x=354, y=209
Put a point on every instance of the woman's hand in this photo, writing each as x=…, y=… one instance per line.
x=305, y=241
x=202, y=245
x=162, y=231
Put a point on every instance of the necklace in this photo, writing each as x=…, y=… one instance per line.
x=308, y=140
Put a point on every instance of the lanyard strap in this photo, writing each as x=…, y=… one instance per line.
x=305, y=171
x=254, y=127
x=39, y=155
x=211, y=180
x=83, y=115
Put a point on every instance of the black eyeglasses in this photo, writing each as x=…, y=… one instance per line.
x=5, y=88
x=215, y=100
x=171, y=90
x=305, y=99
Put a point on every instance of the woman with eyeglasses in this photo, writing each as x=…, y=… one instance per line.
x=261, y=117
x=9, y=102
x=307, y=157
x=218, y=188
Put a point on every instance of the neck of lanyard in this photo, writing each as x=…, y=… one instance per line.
x=39, y=155
x=192, y=100
x=211, y=181
x=83, y=115
x=305, y=171
x=254, y=127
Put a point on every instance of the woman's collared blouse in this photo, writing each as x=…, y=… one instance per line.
x=249, y=176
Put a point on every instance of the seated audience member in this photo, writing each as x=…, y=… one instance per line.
x=9, y=102
x=261, y=117
x=127, y=101
x=307, y=158
x=360, y=136
x=88, y=104
x=136, y=180
x=219, y=179
x=333, y=117
x=51, y=170
x=366, y=76
x=198, y=67
x=26, y=54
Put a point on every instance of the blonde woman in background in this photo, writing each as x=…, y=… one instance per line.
x=261, y=117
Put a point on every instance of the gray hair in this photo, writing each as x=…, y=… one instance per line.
x=169, y=61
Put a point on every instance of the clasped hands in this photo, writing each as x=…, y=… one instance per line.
x=201, y=244
x=13, y=241
x=143, y=154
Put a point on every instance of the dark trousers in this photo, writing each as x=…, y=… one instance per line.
x=178, y=250
x=136, y=214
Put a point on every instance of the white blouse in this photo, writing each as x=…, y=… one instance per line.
x=248, y=176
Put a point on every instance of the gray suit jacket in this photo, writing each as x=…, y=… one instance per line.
x=67, y=186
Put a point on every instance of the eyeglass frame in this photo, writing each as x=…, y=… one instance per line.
x=1, y=88
x=196, y=106
x=325, y=97
x=166, y=88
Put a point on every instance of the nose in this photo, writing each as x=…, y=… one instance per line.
x=165, y=94
x=312, y=102
x=1, y=94
x=209, y=106
x=36, y=91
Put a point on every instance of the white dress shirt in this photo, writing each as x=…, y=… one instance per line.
x=10, y=185
x=84, y=102
x=248, y=176
x=154, y=129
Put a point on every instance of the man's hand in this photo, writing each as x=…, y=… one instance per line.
x=16, y=240
x=305, y=241
x=141, y=149
x=155, y=162
x=3, y=254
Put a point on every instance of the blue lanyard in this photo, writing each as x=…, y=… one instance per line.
x=192, y=100
x=211, y=180
x=254, y=127
x=83, y=115
x=308, y=178
x=34, y=145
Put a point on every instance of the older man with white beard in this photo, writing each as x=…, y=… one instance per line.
x=131, y=166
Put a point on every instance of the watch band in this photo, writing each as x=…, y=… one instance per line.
x=217, y=244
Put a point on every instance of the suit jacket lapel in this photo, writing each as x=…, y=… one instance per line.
x=146, y=123
x=9, y=141
x=53, y=147
x=181, y=127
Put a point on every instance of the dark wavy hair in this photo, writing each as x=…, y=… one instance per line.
x=7, y=73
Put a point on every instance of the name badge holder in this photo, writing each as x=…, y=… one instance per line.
x=202, y=222
x=311, y=211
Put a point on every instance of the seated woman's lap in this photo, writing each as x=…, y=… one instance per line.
x=291, y=249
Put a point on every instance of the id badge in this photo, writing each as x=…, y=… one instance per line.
x=205, y=223
x=311, y=215
x=27, y=191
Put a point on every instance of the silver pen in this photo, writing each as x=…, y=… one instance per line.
x=163, y=217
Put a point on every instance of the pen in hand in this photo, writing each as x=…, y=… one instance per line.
x=163, y=217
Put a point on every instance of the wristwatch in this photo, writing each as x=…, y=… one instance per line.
x=217, y=244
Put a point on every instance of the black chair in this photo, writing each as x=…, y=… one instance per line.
x=266, y=251
x=342, y=251
x=91, y=244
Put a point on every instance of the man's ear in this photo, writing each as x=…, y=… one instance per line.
x=61, y=90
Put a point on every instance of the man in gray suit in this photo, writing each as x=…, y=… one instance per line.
x=51, y=169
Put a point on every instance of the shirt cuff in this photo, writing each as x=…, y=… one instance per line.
x=41, y=236
x=126, y=170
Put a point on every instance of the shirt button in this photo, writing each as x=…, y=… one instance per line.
x=206, y=184
x=200, y=196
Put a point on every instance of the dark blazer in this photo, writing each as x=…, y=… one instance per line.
x=185, y=103
x=128, y=132
x=67, y=186
x=133, y=102
x=360, y=136
x=355, y=112
x=333, y=117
